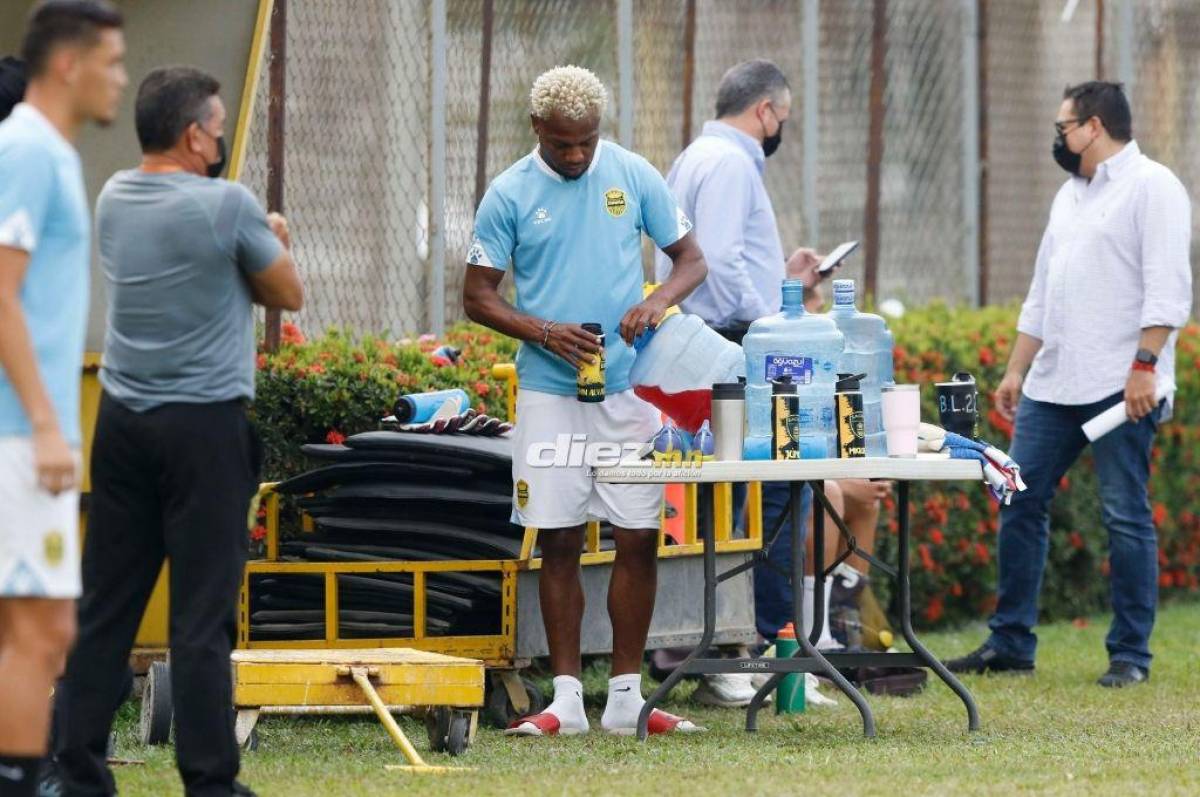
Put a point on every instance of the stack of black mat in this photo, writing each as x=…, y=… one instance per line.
x=390, y=496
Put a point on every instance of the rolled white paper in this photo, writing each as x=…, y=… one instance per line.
x=1111, y=418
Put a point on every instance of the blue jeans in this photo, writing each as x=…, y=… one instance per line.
x=1047, y=441
x=772, y=590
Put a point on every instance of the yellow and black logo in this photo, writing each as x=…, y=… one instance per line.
x=614, y=202
x=522, y=493
x=52, y=548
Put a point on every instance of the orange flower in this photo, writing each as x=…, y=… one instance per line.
x=1105, y=568
x=1165, y=580
x=1160, y=514
x=1080, y=622
x=1076, y=540
x=1000, y=422
x=935, y=609
x=982, y=554
x=259, y=532
x=936, y=537
x=962, y=502
x=335, y=438
x=261, y=362
x=956, y=589
x=290, y=333
x=987, y=357
x=316, y=369
x=926, y=557
x=482, y=388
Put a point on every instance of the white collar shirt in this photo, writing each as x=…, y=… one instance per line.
x=1114, y=260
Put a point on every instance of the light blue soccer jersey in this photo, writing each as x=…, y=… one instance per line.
x=43, y=211
x=575, y=249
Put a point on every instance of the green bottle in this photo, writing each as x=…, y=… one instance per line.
x=789, y=696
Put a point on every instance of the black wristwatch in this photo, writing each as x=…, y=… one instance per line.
x=1146, y=357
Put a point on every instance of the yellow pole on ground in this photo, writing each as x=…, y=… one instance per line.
x=361, y=676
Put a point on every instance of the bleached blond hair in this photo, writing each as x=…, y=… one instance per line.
x=572, y=91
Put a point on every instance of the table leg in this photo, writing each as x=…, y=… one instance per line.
x=710, y=625
x=906, y=616
x=807, y=644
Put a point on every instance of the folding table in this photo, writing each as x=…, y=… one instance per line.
x=807, y=659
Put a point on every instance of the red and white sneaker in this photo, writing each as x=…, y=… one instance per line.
x=544, y=724
x=660, y=722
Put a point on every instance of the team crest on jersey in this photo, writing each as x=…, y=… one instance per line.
x=541, y=216
x=614, y=202
x=522, y=493
x=52, y=548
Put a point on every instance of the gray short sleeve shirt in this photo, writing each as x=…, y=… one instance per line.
x=176, y=250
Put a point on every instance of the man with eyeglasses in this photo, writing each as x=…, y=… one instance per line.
x=1111, y=286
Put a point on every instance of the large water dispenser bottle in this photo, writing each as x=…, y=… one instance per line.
x=868, y=351
x=806, y=348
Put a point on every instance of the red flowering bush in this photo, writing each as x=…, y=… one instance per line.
x=954, y=526
x=325, y=389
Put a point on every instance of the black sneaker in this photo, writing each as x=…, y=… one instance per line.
x=986, y=658
x=1123, y=673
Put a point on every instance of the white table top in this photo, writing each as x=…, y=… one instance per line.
x=925, y=467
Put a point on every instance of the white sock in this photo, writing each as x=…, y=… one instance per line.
x=568, y=704
x=624, y=702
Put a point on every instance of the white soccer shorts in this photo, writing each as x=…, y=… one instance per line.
x=552, y=482
x=39, y=532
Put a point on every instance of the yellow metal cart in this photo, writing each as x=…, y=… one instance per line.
x=509, y=695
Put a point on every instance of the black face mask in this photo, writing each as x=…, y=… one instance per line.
x=771, y=143
x=215, y=168
x=1064, y=157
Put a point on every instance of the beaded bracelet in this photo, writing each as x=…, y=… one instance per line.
x=546, y=328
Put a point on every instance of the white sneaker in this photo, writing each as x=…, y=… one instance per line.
x=812, y=692
x=725, y=690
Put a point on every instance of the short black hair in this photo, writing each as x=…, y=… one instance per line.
x=747, y=83
x=53, y=22
x=170, y=99
x=1104, y=100
x=12, y=84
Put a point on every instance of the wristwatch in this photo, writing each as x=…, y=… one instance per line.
x=1145, y=360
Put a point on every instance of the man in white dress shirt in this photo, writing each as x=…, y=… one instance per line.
x=1112, y=285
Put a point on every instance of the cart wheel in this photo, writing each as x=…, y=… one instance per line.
x=459, y=738
x=251, y=743
x=157, y=707
x=437, y=725
x=110, y=750
x=499, y=712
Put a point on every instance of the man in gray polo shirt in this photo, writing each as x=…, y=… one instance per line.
x=176, y=460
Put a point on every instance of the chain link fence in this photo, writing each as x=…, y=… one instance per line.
x=947, y=168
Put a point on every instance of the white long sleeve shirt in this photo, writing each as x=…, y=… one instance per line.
x=1113, y=261
x=718, y=184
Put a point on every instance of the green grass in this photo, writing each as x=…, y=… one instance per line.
x=1053, y=733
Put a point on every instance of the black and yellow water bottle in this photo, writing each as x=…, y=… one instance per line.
x=785, y=419
x=851, y=427
x=589, y=382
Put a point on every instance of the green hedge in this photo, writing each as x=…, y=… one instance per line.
x=325, y=389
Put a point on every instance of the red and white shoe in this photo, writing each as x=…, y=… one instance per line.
x=660, y=722
x=544, y=724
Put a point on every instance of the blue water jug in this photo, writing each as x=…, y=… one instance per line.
x=868, y=351
x=805, y=347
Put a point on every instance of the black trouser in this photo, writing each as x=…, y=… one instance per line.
x=173, y=483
